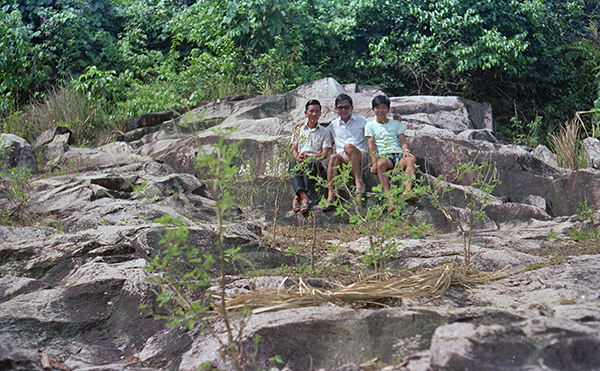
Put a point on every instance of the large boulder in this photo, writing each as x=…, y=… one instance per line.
x=16, y=152
x=521, y=174
x=442, y=131
x=591, y=148
x=264, y=123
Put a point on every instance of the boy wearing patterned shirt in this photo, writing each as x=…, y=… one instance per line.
x=311, y=143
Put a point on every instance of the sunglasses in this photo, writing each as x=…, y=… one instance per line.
x=346, y=107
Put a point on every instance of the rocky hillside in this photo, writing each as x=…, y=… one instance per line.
x=72, y=282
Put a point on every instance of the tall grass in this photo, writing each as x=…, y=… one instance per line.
x=63, y=106
x=567, y=146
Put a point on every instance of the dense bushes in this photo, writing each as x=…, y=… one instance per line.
x=535, y=61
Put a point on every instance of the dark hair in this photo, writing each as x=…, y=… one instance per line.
x=381, y=99
x=342, y=97
x=312, y=102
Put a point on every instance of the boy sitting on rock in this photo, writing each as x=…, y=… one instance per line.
x=388, y=147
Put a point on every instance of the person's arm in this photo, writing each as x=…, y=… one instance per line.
x=323, y=154
x=373, y=154
x=295, y=153
x=406, y=152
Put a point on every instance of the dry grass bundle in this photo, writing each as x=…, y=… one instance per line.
x=433, y=281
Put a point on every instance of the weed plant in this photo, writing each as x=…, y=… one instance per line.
x=14, y=189
x=482, y=178
x=382, y=222
x=246, y=186
x=594, y=126
x=14, y=194
x=63, y=106
x=588, y=231
x=278, y=169
x=183, y=273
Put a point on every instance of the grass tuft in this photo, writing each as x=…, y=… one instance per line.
x=568, y=147
x=63, y=106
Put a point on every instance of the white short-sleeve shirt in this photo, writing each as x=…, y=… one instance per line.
x=352, y=132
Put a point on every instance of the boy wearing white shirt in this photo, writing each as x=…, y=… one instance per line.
x=350, y=143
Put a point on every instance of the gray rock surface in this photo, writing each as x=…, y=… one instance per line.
x=16, y=152
x=591, y=147
x=72, y=283
x=48, y=136
x=543, y=153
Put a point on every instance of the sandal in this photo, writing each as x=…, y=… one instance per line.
x=410, y=197
x=360, y=192
x=330, y=206
x=304, y=207
x=296, y=204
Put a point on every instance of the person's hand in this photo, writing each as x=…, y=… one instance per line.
x=302, y=157
x=407, y=155
x=396, y=116
x=374, y=168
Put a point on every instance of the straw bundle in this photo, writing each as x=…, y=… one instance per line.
x=433, y=281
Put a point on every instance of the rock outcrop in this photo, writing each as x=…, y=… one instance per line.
x=16, y=152
x=73, y=283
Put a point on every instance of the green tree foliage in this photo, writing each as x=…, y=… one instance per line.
x=513, y=54
x=535, y=61
x=78, y=34
x=20, y=66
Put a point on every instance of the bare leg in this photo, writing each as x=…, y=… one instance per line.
x=335, y=161
x=383, y=165
x=408, y=165
x=355, y=159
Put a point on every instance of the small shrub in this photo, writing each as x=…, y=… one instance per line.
x=13, y=124
x=482, y=179
x=183, y=272
x=14, y=191
x=586, y=211
x=14, y=194
x=382, y=222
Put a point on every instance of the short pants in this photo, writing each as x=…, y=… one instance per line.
x=394, y=157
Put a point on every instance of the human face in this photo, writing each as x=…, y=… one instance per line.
x=313, y=113
x=344, y=109
x=381, y=112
